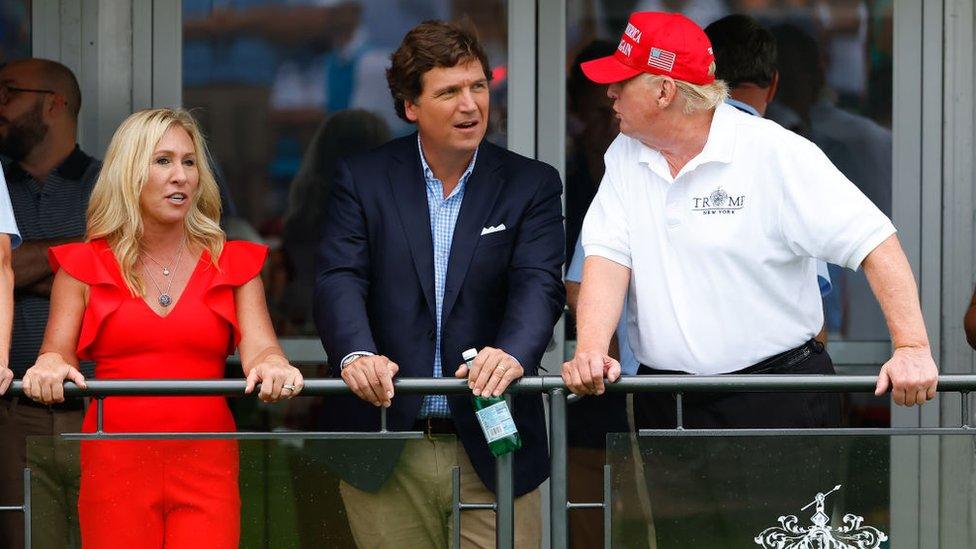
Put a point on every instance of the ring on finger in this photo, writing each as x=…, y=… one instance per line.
x=288, y=387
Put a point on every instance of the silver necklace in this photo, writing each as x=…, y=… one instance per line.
x=164, y=298
x=165, y=268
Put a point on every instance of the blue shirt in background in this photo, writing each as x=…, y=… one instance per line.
x=574, y=273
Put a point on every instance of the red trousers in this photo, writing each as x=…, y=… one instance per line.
x=153, y=494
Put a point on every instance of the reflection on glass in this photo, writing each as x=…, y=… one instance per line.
x=288, y=491
x=15, y=30
x=835, y=88
x=55, y=481
x=729, y=491
x=342, y=134
x=262, y=76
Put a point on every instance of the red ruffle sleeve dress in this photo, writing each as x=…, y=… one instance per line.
x=159, y=493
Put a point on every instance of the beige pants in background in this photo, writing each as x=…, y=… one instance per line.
x=413, y=508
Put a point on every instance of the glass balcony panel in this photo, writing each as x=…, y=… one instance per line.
x=289, y=490
x=769, y=491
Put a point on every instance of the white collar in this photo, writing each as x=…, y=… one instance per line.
x=719, y=146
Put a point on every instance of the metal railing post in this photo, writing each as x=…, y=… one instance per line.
x=456, y=507
x=680, y=411
x=607, y=506
x=558, y=476
x=505, y=497
x=99, y=414
x=965, y=408
x=27, y=507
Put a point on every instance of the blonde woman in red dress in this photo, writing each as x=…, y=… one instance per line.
x=156, y=292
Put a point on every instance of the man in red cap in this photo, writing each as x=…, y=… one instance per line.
x=714, y=220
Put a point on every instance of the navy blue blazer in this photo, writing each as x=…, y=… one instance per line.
x=374, y=292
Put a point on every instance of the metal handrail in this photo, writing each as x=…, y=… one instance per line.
x=535, y=384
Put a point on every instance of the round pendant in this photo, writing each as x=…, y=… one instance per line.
x=165, y=271
x=165, y=300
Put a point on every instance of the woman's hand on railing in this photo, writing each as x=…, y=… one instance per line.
x=279, y=380
x=584, y=374
x=911, y=374
x=44, y=381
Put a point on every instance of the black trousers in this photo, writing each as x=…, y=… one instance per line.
x=724, y=491
x=747, y=410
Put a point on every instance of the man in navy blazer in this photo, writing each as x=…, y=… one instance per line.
x=433, y=244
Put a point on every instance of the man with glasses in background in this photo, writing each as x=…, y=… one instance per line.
x=49, y=180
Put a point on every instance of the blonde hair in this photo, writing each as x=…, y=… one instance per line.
x=114, y=212
x=700, y=97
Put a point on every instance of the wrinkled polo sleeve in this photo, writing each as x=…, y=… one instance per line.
x=605, y=228
x=822, y=213
x=240, y=262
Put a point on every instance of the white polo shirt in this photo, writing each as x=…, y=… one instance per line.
x=8, y=224
x=722, y=257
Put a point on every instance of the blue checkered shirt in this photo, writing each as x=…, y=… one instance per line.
x=443, y=216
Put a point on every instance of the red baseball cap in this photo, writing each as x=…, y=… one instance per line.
x=666, y=44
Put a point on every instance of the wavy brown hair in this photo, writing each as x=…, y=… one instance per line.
x=428, y=45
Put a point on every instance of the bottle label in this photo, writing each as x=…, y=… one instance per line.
x=496, y=422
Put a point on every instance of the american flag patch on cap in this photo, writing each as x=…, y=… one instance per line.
x=661, y=59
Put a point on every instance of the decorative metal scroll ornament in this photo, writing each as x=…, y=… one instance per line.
x=820, y=535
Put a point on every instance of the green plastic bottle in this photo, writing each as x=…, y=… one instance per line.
x=495, y=418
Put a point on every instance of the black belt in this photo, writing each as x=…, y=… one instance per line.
x=69, y=405
x=782, y=361
x=435, y=426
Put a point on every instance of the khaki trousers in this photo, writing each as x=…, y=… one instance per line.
x=413, y=508
x=28, y=437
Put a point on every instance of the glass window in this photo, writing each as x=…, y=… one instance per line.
x=285, y=87
x=15, y=30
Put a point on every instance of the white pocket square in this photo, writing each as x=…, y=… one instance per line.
x=495, y=229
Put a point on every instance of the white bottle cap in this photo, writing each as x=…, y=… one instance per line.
x=469, y=354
